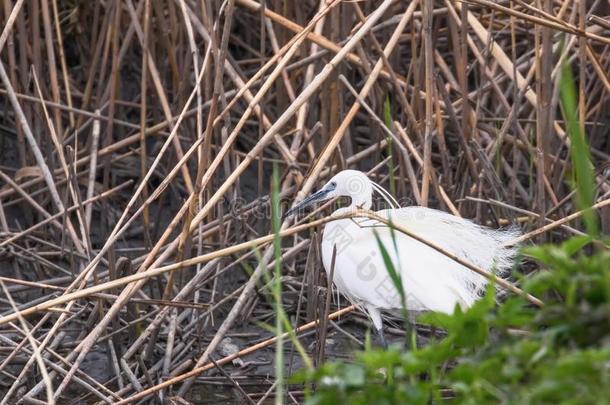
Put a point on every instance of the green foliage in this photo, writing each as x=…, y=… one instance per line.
x=509, y=353
x=387, y=120
x=579, y=151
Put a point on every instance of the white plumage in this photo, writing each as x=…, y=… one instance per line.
x=431, y=280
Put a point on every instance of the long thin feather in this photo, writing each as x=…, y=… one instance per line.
x=385, y=195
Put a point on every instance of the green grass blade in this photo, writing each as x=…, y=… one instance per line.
x=394, y=275
x=579, y=150
x=277, y=286
x=387, y=120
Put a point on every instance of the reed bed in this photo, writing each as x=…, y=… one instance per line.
x=137, y=142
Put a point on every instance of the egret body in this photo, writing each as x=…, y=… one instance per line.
x=431, y=280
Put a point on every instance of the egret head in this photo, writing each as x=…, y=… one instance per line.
x=347, y=183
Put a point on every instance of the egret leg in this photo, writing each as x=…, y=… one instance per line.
x=375, y=315
x=381, y=335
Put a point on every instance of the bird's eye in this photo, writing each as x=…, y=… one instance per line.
x=333, y=184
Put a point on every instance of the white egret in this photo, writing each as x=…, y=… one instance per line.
x=431, y=280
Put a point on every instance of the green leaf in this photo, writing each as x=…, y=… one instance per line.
x=576, y=244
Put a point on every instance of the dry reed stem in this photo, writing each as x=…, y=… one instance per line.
x=36, y=349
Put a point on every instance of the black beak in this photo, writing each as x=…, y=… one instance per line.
x=318, y=196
